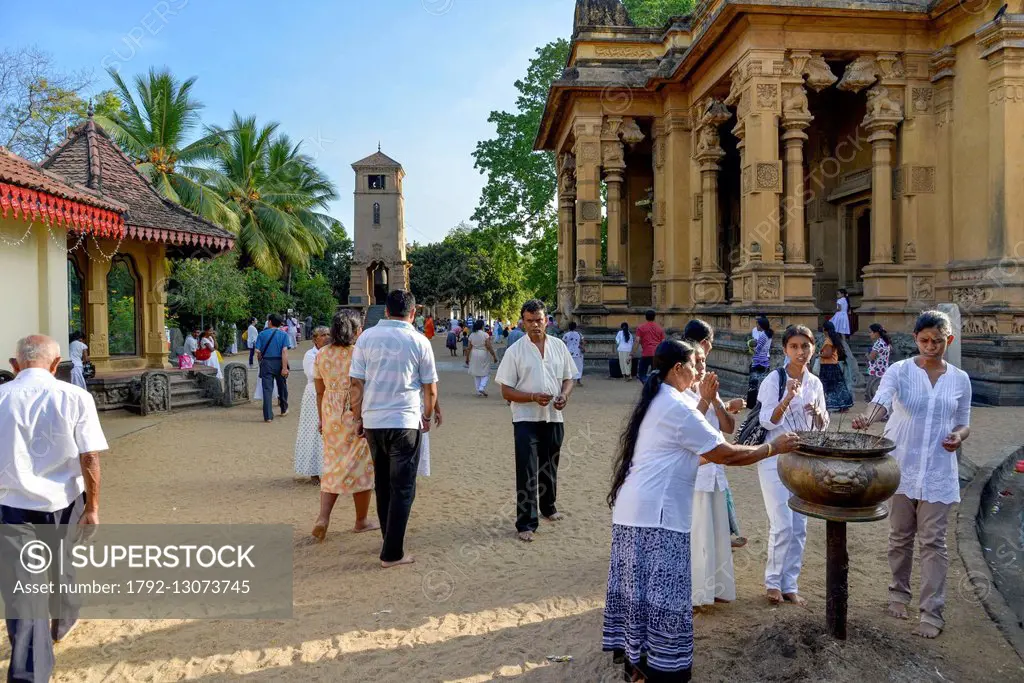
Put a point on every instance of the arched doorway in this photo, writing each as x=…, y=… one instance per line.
x=377, y=277
x=122, y=312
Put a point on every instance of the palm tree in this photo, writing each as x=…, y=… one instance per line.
x=153, y=132
x=276, y=193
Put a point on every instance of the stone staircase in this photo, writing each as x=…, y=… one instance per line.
x=186, y=392
x=374, y=314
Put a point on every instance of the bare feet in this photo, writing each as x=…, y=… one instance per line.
x=525, y=536
x=794, y=598
x=722, y=600
x=557, y=517
x=774, y=596
x=320, y=530
x=897, y=610
x=927, y=630
x=314, y=480
x=406, y=559
x=365, y=525
x=739, y=542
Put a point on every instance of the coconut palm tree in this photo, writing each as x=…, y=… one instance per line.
x=276, y=193
x=153, y=127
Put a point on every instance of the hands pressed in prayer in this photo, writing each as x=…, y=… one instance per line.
x=709, y=387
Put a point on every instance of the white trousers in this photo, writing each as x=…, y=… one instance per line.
x=481, y=382
x=78, y=377
x=578, y=360
x=711, y=549
x=787, y=532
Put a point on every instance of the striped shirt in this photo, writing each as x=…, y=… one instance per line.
x=394, y=361
x=762, y=348
x=921, y=417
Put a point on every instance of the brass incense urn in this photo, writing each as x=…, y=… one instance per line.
x=840, y=476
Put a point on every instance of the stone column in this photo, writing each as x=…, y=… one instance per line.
x=942, y=64
x=587, y=150
x=614, y=291
x=566, y=235
x=96, y=302
x=155, y=293
x=795, y=120
x=673, y=204
x=709, y=156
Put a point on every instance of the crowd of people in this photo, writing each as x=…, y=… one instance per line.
x=371, y=400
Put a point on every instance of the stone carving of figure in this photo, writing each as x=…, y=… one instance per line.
x=880, y=106
x=860, y=73
x=567, y=174
x=819, y=75
x=707, y=140
x=794, y=102
x=600, y=13
x=631, y=133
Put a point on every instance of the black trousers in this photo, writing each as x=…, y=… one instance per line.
x=270, y=373
x=396, y=457
x=252, y=354
x=30, y=636
x=537, y=447
x=645, y=367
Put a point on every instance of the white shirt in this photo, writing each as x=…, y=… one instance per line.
x=191, y=345
x=712, y=473
x=308, y=361
x=250, y=337
x=796, y=418
x=658, y=491
x=623, y=346
x=45, y=425
x=75, y=350
x=394, y=361
x=522, y=368
x=921, y=416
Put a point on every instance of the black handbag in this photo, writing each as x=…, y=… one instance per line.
x=751, y=432
x=88, y=370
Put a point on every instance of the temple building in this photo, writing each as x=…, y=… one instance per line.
x=752, y=158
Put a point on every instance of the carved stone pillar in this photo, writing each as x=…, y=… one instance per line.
x=588, y=216
x=709, y=156
x=566, y=235
x=795, y=120
x=942, y=64
x=614, y=163
x=96, y=302
x=155, y=297
x=884, y=115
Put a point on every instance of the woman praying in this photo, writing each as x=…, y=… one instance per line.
x=348, y=468
x=929, y=406
x=797, y=405
x=309, y=444
x=481, y=353
x=648, y=616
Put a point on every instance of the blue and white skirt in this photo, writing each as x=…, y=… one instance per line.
x=649, y=609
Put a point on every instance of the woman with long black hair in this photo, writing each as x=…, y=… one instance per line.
x=838, y=397
x=624, y=348
x=648, y=617
x=761, y=362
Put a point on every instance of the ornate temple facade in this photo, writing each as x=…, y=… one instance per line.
x=750, y=159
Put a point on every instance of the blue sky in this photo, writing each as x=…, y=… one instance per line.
x=420, y=76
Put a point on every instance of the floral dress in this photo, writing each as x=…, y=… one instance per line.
x=348, y=467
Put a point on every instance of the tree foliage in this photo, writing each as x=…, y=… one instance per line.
x=212, y=290
x=656, y=12
x=521, y=183
x=265, y=293
x=335, y=263
x=314, y=297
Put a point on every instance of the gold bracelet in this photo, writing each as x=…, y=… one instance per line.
x=769, y=450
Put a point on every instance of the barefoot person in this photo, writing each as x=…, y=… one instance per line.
x=481, y=353
x=536, y=378
x=392, y=363
x=648, y=616
x=309, y=444
x=347, y=467
x=929, y=404
x=801, y=408
x=50, y=439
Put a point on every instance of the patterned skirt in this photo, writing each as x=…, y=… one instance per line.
x=649, y=611
x=757, y=375
x=837, y=394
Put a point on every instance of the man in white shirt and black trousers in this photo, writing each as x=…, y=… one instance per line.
x=391, y=365
x=50, y=439
x=535, y=375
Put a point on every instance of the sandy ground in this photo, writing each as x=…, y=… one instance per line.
x=478, y=605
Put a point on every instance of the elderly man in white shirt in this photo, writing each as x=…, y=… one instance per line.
x=536, y=377
x=50, y=438
x=392, y=364
x=250, y=339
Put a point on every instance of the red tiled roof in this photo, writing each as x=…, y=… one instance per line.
x=88, y=156
x=35, y=194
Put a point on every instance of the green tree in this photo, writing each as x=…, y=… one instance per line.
x=153, y=126
x=540, y=271
x=266, y=294
x=656, y=12
x=521, y=183
x=335, y=263
x=209, y=290
x=314, y=297
x=277, y=195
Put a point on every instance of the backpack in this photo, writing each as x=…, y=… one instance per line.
x=751, y=432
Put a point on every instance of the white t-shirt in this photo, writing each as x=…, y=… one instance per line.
x=712, y=473
x=75, y=350
x=623, y=346
x=522, y=368
x=796, y=418
x=308, y=361
x=45, y=424
x=658, y=491
x=250, y=337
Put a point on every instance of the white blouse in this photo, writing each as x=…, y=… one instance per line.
x=796, y=418
x=658, y=491
x=621, y=344
x=712, y=473
x=308, y=362
x=921, y=417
